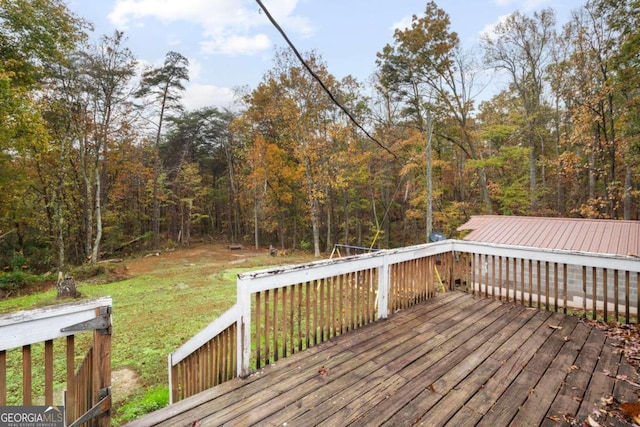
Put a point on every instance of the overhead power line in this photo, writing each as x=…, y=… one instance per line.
x=319, y=80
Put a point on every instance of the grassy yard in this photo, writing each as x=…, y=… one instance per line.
x=159, y=302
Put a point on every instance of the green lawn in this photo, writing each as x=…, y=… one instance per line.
x=154, y=312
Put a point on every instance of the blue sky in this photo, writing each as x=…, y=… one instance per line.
x=229, y=43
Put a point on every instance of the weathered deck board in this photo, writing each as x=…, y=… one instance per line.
x=453, y=360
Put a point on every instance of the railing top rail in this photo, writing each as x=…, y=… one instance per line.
x=282, y=276
x=589, y=259
x=34, y=326
x=299, y=273
x=214, y=328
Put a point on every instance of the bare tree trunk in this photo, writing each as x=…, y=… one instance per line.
x=96, y=244
x=315, y=224
x=628, y=182
x=592, y=175
x=88, y=202
x=533, y=176
x=256, y=202
x=347, y=229
x=429, y=224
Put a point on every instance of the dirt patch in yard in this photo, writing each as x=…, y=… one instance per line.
x=124, y=383
x=214, y=254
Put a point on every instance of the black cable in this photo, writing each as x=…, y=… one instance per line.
x=319, y=80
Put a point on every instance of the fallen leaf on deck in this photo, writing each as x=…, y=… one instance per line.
x=575, y=368
x=431, y=388
x=323, y=371
x=632, y=410
x=555, y=327
x=606, y=400
x=554, y=418
x=591, y=422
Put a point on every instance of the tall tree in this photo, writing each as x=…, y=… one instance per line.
x=36, y=38
x=586, y=83
x=624, y=18
x=109, y=70
x=291, y=118
x=202, y=138
x=425, y=65
x=522, y=47
x=164, y=85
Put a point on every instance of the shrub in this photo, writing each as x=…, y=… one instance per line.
x=17, y=262
x=88, y=271
x=18, y=280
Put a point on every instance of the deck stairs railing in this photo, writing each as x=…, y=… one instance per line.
x=285, y=310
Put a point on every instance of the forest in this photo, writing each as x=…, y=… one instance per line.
x=99, y=159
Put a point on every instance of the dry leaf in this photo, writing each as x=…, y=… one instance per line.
x=592, y=423
x=632, y=410
x=323, y=371
x=431, y=388
x=575, y=368
x=566, y=338
x=555, y=327
x=554, y=418
x=606, y=400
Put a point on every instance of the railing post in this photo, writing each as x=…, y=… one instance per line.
x=383, y=288
x=243, y=338
x=102, y=369
x=172, y=398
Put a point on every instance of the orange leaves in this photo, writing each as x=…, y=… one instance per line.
x=632, y=410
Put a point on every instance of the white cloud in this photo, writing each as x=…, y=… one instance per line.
x=205, y=95
x=489, y=29
x=227, y=26
x=402, y=24
x=236, y=44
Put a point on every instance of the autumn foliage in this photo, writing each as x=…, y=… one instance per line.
x=98, y=161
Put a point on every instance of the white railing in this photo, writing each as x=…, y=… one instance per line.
x=88, y=394
x=284, y=310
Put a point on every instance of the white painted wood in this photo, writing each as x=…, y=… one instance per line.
x=30, y=327
x=214, y=328
x=244, y=329
x=262, y=280
x=269, y=279
x=551, y=255
x=383, y=290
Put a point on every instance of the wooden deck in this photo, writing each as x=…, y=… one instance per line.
x=454, y=361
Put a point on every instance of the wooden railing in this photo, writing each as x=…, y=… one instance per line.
x=286, y=310
x=594, y=285
x=289, y=309
x=87, y=396
x=207, y=359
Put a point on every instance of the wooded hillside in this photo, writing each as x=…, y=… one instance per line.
x=97, y=159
